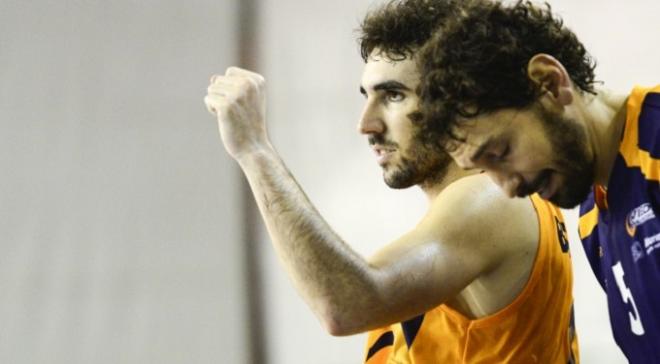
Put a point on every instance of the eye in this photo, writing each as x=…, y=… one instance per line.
x=498, y=155
x=505, y=152
x=394, y=96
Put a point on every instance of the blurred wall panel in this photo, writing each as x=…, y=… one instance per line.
x=120, y=214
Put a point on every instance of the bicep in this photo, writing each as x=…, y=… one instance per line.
x=424, y=269
x=451, y=248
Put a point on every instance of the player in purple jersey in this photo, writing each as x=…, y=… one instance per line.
x=512, y=91
x=620, y=230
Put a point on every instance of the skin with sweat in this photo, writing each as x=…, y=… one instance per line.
x=473, y=249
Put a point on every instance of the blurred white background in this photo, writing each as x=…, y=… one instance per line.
x=124, y=232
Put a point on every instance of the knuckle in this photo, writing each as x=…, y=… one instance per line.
x=256, y=83
x=233, y=99
x=232, y=71
x=246, y=86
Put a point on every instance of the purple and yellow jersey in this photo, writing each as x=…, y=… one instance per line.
x=537, y=327
x=620, y=231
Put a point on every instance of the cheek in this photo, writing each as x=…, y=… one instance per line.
x=524, y=162
x=401, y=128
x=537, y=155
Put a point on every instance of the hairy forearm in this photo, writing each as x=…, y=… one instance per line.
x=336, y=282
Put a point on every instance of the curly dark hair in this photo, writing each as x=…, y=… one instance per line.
x=477, y=63
x=400, y=27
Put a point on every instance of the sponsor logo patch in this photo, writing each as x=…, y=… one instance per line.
x=637, y=251
x=652, y=243
x=638, y=216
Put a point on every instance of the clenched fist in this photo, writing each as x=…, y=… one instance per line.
x=238, y=100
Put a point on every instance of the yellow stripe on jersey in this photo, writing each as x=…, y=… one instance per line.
x=588, y=222
x=629, y=150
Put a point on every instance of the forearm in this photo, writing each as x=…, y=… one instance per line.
x=336, y=282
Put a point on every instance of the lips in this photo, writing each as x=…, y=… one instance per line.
x=545, y=185
x=539, y=185
x=383, y=153
x=544, y=190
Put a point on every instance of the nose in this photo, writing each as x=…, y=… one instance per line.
x=462, y=161
x=371, y=121
x=510, y=183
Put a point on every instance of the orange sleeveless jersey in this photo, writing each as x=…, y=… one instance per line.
x=537, y=327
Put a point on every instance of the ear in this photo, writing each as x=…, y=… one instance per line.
x=551, y=78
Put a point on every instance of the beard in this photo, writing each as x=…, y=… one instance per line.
x=424, y=162
x=568, y=141
x=422, y=167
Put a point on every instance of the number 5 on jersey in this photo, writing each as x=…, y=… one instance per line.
x=635, y=321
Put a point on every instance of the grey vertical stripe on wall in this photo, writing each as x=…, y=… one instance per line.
x=248, y=50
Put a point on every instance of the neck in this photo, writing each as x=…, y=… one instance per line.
x=433, y=186
x=605, y=116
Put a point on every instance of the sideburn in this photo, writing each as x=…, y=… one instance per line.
x=430, y=151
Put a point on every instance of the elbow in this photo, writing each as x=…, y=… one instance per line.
x=353, y=311
x=343, y=321
x=335, y=325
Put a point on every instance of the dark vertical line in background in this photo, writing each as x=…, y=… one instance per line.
x=248, y=24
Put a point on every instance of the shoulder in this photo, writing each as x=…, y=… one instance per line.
x=478, y=198
x=474, y=211
x=640, y=145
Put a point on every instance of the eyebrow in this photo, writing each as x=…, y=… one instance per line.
x=481, y=150
x=390, y=85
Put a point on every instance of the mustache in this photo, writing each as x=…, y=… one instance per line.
x=380, y=140
x=526, y=189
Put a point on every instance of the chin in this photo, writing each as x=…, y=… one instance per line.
x=564, y=203
x=568, y=198
x=399, y=178
x=397, y=184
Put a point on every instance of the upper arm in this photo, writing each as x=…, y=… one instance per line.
x=469, y=231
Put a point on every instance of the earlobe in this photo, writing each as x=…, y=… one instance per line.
x=551, y=78
x=565, y=96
